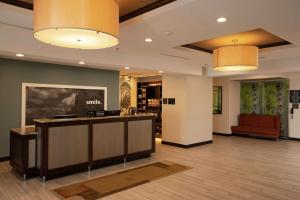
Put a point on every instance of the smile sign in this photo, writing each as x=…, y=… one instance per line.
x=94, y=102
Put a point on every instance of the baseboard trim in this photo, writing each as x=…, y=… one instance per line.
x=4, y=159
x=187, y=145
x=222, y=134
x=254, y=136
x=295, y=139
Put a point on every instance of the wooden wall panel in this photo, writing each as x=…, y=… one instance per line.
x=39, y=147
x=139, y=136
x=32, y=153
x=68, y=145
x=108, y=140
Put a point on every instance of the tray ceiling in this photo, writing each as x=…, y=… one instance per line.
x=128, y=8
x=257, y=37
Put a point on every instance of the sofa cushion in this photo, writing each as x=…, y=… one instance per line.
x=266, y=121
x=266, y=131
x=242, y=129
x=248, y=120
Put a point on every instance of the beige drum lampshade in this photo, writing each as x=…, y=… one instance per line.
x=82, y=24
x=236, y=58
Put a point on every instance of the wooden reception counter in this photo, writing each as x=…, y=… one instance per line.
x=66, y=146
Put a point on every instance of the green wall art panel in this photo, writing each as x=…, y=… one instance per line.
x=250, y=97
x=267, y=97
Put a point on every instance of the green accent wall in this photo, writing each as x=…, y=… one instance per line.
x=267, y=97
x=14, y=72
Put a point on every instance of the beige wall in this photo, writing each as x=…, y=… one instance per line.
x=234, y=103
x=133, y=92
x=294, y=124
x=231, y=102
x=220, y=121
x=190, y=119
x=173, y=116
x=230, y=105
x=198, y=109
x=294, y=82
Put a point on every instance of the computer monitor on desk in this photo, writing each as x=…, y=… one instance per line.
x=112, y=112
x=65, y=116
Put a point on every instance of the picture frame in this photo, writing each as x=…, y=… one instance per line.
x=26, y=86
x=217, y=100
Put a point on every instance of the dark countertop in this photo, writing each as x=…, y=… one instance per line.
x=31, y=130
x=48, y=120
x=24, y=131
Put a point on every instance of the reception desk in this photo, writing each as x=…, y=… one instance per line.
x=66, y=146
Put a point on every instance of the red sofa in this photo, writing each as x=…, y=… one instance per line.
x=266, y=126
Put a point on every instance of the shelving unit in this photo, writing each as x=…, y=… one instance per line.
x=149, y=100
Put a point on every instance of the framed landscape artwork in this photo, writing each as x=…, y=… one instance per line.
x=48, y=100
x=217, y=100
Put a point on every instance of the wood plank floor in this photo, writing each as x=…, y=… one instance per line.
x=231, y=168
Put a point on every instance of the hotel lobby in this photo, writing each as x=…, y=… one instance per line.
x=149, y=99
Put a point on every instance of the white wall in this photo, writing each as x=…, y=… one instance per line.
x=189, y=121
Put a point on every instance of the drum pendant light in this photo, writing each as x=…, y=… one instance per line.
x=82, y=24
x=235, y=58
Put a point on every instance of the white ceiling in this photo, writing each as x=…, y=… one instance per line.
x=188, y=21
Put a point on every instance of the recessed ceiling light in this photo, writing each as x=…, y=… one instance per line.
x=160, y=71
x=148, y=40
x=221, y=19
x=127, y=68
x=262, y=57
x=20, y=55
x=168, y=33
x=81, y=63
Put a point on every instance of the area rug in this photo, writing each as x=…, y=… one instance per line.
x=106, y=185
